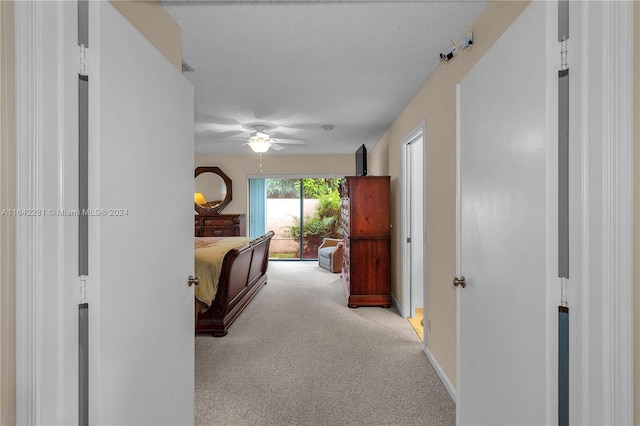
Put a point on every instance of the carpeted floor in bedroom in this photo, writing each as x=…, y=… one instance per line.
x=298, y=356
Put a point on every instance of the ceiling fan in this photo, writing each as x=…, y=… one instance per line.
x=261, y=141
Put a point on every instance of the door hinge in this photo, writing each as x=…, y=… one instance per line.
x=83, y=288
x=563, y=54
x=83, y=52
x=564, y=283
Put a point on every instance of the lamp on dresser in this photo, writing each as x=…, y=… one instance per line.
x=198, y=198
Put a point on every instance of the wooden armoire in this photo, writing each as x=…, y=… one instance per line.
x=366, y=227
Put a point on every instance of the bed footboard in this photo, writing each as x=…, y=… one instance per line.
x=244, y=272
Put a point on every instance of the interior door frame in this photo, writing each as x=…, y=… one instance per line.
x=46, y=176
x=46, y=180
x=419, y=131
x=601, y=285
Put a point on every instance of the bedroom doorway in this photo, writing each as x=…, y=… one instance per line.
x=414, y=285
x=301, y=211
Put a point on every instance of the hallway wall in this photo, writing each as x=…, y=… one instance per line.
x=435, y=104
x=148, y=17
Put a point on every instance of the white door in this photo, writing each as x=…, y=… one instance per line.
x=416, y=222
x=141, y=322
x=503, y=230
x=413, y=283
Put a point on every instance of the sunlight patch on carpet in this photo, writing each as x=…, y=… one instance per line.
x=416, y=323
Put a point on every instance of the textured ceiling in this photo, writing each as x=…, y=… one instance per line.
x=294, y=66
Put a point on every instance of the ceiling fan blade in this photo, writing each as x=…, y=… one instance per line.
x=291, y=141
x=225, y=137
x=228, y=134
x=276, y=147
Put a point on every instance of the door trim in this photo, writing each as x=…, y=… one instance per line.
x=29, y=192
x=46, y=180
x=618, y=213
x=603, y=134
x=457, y=400
x=419, y=131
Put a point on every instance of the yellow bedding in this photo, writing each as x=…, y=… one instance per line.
x=209, y=254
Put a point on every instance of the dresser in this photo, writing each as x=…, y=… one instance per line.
x=366, y=227
x=219, y=225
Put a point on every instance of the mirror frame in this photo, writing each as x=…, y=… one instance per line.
x=214, y=210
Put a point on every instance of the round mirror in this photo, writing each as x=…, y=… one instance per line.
x=212, y=190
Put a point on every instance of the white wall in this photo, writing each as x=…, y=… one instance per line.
x=435, y=105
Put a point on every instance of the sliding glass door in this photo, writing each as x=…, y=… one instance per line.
x=284, y=203
x=300, y=211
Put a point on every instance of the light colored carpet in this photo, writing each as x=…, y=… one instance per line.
x=298, y=355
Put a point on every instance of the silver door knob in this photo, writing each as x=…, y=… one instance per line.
x=193, y=280
x=460, y=282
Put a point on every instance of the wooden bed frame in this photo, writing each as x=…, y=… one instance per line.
x=244, y=272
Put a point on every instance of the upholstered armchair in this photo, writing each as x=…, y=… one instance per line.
x=330, y=254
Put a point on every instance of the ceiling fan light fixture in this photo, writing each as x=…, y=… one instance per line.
x=259, y=145
x=259, y=136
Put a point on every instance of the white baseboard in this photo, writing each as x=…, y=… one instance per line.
x=395, y=303
x=443, y=377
